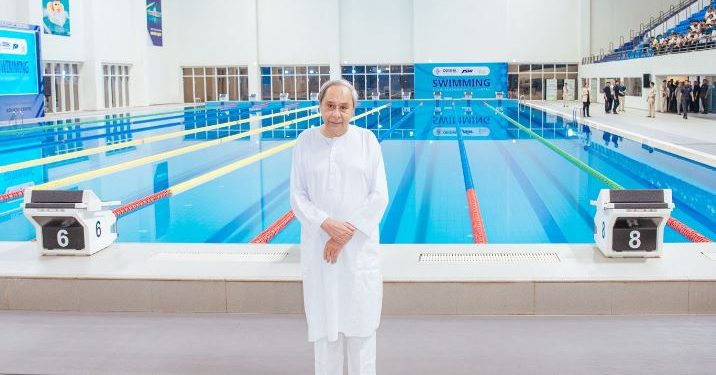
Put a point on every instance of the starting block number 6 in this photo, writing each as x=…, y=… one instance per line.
x=62, y=238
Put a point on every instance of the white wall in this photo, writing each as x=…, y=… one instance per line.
x=506, y=30
x=375, y=31
x=690, y=64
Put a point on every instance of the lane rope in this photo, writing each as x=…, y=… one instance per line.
x=478, y=227
x=136, y=142
x=683, y=229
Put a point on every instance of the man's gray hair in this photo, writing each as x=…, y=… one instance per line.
x=338, y=82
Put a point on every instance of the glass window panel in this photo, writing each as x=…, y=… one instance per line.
x=222, y=84
x=512, y=68
x=371, y=68
x=289, y=86
x=524, y=68
x=573, y=68
x=66, y=92
x=289, y=70
x=313, y=86
x=384, y=86
x=561, y=75
x=243, y=70
x=633, y=86
x=359, y=69
x=199, y=95
x=536, y=67
x=324, y=69
x=524, y=84
x=408, y=68
x=561, y=68
x=395, y=86
x=198, y=71
x=58, y=93
x=277, y=70
x=48, y=69
x=277, y=86
x=186, y=71
x=126, y=70
x=210, y=71
x=301, y=88
x=359, y=83
x=371, y=82
x=232, y=71
x=266, y=87
x=384, y=68
x=233, y=88
x=106, y=91
x=301, y=70
x=220, y=71
x=120, y=91
x=347, y=69
x=105, y=69
x=312, y=69
x=188, y=90
x=113, y=91
x=536, y=93
x=244, y=88
x=75, y=69
x=265, y=70
x=512, y=86
x=211, y=88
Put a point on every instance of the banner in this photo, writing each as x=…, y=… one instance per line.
x=20, y=84
x=154, y=21
x=482, y=80
x=56, y=17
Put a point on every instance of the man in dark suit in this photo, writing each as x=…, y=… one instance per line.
x=705, y=94
x=608, y=97
x=695, y=103
x=686, y=97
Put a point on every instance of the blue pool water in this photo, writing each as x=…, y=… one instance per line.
x=527, y=193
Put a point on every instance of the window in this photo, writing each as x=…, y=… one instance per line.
x=207, y=83
x=388, y=81
x=116, y=85
x=61, y=87
x=633, y=86
x=298, y=81
x=530, y=80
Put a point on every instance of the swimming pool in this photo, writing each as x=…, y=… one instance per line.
x=527, y=193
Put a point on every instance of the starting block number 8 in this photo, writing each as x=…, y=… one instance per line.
x=634, y=241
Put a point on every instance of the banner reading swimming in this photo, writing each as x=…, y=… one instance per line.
x=18, y=63
x=483, y=80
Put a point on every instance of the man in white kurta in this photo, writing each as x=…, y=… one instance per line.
x=339, y=194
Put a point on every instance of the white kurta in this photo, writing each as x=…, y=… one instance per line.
x=342, y=178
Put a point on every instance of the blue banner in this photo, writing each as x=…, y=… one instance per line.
x=20, y=84
x=452, y=80
x=56, y=17
x=154, y=21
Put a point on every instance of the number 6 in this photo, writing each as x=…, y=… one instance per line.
x=62, y=238
x=98, y=229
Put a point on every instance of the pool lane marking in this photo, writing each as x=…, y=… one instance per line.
x=209, y=176
x=141, y=141
x=149, y=159
x=686, y=231
x=98, y=121
x=277, y=226
x=478, y=227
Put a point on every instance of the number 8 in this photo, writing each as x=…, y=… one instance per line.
x=634, y=241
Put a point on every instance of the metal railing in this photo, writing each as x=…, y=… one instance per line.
x=666, y=20
x=648, y=51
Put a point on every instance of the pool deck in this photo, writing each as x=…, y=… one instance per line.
x=546, y=279
x=694, y=138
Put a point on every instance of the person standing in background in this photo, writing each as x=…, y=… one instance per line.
x=695, y=103
x=585, y=101
x=679, y=96
x=664, y=97
x=615, y=94
x=608, y=98
x=705, y=94
x=622, y=94
x=565, y=93
x=686, y=96
x=651, y=100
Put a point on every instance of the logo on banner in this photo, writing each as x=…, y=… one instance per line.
x=13, y=46
x=461, y=71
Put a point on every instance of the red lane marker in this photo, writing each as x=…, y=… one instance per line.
x=12, y=195
x=139, y=203
x=267, y=235
x=478, y=228
x=686, y=231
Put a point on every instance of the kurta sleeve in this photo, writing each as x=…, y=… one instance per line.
x=367, y=217
x=305, y=210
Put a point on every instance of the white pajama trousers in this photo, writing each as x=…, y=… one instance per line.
x=360, y=352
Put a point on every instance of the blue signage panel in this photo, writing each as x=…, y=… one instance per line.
x=21, y=95
x=154, y=21
x=18, y=62
x=56, y=17
x=483, y=80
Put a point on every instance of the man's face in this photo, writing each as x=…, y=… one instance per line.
x=337, y=107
